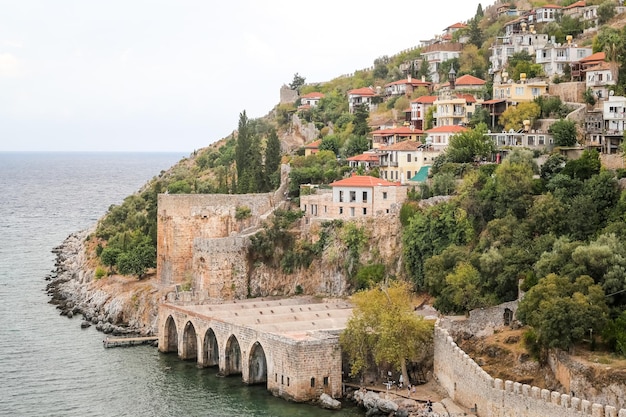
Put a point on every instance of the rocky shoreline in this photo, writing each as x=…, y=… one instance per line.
x=115, y=305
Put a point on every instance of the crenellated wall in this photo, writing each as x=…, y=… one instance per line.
x=469, y=385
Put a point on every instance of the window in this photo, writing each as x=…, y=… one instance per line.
x=365, y=211
x=287, y=381
x=282, y=380
x=340, y=210
x=352, y=196
x=352, y=211
x=408, y=157
x=535, y=92
x=312, y=382
x=384, y=195
x=365, y=196
x=325, y=381
x=542, y=140
x=519, y=91
x=341, y=196
x=408, y=175
x=531, y=140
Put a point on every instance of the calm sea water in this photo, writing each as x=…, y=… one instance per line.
x=49, y=366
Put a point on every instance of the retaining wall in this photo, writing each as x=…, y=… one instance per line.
x=469, y=385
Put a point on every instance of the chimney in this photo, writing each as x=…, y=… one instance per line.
x=409, y=78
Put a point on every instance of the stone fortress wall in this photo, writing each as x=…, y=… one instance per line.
x=469, y=385
x=202, y=244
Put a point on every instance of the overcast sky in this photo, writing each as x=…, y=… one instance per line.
x=157, y=75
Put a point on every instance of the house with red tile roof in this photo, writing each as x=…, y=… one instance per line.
x=354, y=197
x=579, y=68
x=601, y=77
x=439, y=137
x=419, y=107
x=312, y=148
x=384, y=137
x=547, y=13
x=466, y=82
x=436, y=53
x=402, y=160
x=454, y=108
x=363, y=95
x=405, y=87
x=366, y=160
x=310, y=100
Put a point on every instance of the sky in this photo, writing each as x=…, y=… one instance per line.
x=174, y=75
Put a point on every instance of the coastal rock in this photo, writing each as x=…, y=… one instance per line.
x=386, y=406
x=328, y=402
x=85, y=324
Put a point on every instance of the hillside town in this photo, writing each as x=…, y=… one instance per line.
x=404, y=147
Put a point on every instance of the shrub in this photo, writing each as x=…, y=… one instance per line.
x=242, y=212
x=100, y=272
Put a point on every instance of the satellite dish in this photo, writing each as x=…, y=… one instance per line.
x=611, y=93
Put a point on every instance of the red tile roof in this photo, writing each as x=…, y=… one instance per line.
x=363, y=181
x=313, y=145
x=366, y=157
x=550, y=6
x=403, y=130
x=364, y=91
x=598, y=56
x=425, y=99
x=494, y=101
x=313, y=95
x=469, y=80
x=457, y=26
x=447, y=129
x=577, y=4
x=405, y=145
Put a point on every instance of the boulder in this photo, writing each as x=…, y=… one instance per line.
x=386, y=406
x=370, y=399
x=328, y=402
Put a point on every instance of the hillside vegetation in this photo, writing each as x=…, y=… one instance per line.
x=558, y=227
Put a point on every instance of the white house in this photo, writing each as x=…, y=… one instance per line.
x=439, y=137
x=361, y=96
x=555, y=56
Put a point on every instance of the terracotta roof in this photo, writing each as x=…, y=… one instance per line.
x=363, y=181
x=447, y=129
x=403, y=130
x=313, y=145
x=366, y=157
x=413, y=81
x=601, y=67
x=550, y=6
x=469, y=80
x=598, y=56
x=425, y=99
x=313, y=95
x=457, y=26
x=405, y=145
x=364, y=91
x=577, y=4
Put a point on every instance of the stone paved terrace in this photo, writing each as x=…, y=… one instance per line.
x=297, y=318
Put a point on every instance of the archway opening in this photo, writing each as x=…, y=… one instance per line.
x=211, y=351
x=190, y=343
x=257, y=365
x=232, y=357
x=171, y=336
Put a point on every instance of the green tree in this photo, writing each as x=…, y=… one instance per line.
x=272, y=160
x=380, y=67
x=297, y=82
x=564, y=132
x=514, y=116
x=470, y=145
x=606, y=11
x=462, y=292
x=562, y=311
x=384, y=327
x=361, y=114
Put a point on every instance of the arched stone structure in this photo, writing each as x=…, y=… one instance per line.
x=232, y=357
x=170, y=343
x=283, y=343
x=210, y=350
x=189, y=349
x=257, y=365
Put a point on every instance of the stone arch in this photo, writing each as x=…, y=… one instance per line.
x=171, y=336
x=508, y=316
x=190, y=342
x=210, y=352
x=232, y=356
x=257, y=365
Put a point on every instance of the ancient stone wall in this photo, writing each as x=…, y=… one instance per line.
x=571, y=92
x=469, y=385
x=481, y=321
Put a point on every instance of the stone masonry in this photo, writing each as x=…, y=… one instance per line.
x=291, y=345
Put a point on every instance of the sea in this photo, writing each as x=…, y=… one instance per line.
x=49, y=366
